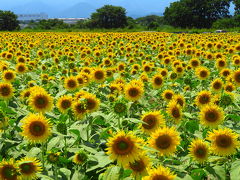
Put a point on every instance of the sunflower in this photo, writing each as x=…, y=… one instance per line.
x=139, y=167
x=79, y=109
x=81, y=80
x=64, y=103
x=29, y=167
x=152, y=121
x=224, y=142
x=211, y=115
x=133, y=92
x=179, y=99
x=199, y=150
x=168, y=94
x=8, y=76
x=161, y=173
x=92, y=102
x=21, y=68
x=3, y=121
x=174, y=110
x=99, y=75
x=8, y=170
x=125, y=148
x=71, y=83
x=203, y=98
x=53, y=157
x=80, y=157
x=165, y=140
x=236, y=77
x=157, y=81
x=229, y=87
x=217, y=85
x=194, y=63
x=36, y=128
x=41, y=101
x=202, y=72
x=6, y=91
x=225, y=72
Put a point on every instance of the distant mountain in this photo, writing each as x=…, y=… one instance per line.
x=84, y=8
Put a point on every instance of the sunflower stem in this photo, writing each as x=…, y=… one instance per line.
x=43, y=162
x=89, y=127
x=119, y=122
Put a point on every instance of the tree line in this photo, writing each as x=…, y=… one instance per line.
x=181, y=14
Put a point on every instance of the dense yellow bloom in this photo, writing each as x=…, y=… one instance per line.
x=165, y=140
x=133, y=92
x=36, y=128
x=224, y=142
x=125, y=148
x=199, y=150
x=6, y=91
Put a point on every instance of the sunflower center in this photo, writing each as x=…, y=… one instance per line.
x=176, y=112
x=5, y=91
x=203, y=74
x=133, y=92
x=66, y=104
x=9, y=76
x=147, y=68
x=123, y=146
x=237, y=77
x=158, y=81
x=80, y=80
x=168, y=95
x=204, y=99
x=160, y=177
x=163, y=141
x=217, y=85
x=21, y=68
x=91, y=104
x=37, y=128
x=99, y=75
x=9, y=172
x=211, y=116
x=200, y=152
x=80, y=108
x=27, y=168
x=150, y=120
x=138, y=166
x=194, y=63
x=71, y=83
x=223, y=141
x=41, y=102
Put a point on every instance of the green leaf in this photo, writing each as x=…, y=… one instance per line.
x=54, y=142
x=102, y=162
x=198, y=174
x=220, y=172
x=66, y=172
x=34, y=152
x=192, y=126
x=235, y=170
x=111, y=174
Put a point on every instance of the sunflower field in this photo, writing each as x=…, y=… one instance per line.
x=119, y=106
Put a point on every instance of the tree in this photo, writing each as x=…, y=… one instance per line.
x=151, y=21
x=195, y=13
x=8, y=21
x=109, y=17
x=237, y=7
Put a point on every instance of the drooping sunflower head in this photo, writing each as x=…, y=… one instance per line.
x=140, y=166
x=8, y=75
x=36, y=128
x=79, y=108
x=123, y=147
x=203, y=98
x=152, y=121
x=199, y=150
x=80, y=157
x=174, y=110
x=224, y=142
x=160, y=173
x=157, y=81
x=133, y=92
x=64, y=103
x=165, y=140
x=6, y=91
x=40, y=101
x=29, y=168
x=8, y=170
x=211, y=115
x=71, y=83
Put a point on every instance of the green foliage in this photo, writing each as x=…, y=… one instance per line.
x=195, y=13
x=227, y=22
x=151, y=21
x=109, y=17
x=8, y=21
x=49, y=24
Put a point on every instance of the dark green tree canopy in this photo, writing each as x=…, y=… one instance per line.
x=8, y=21
x=109, y=17
x=195, y=13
